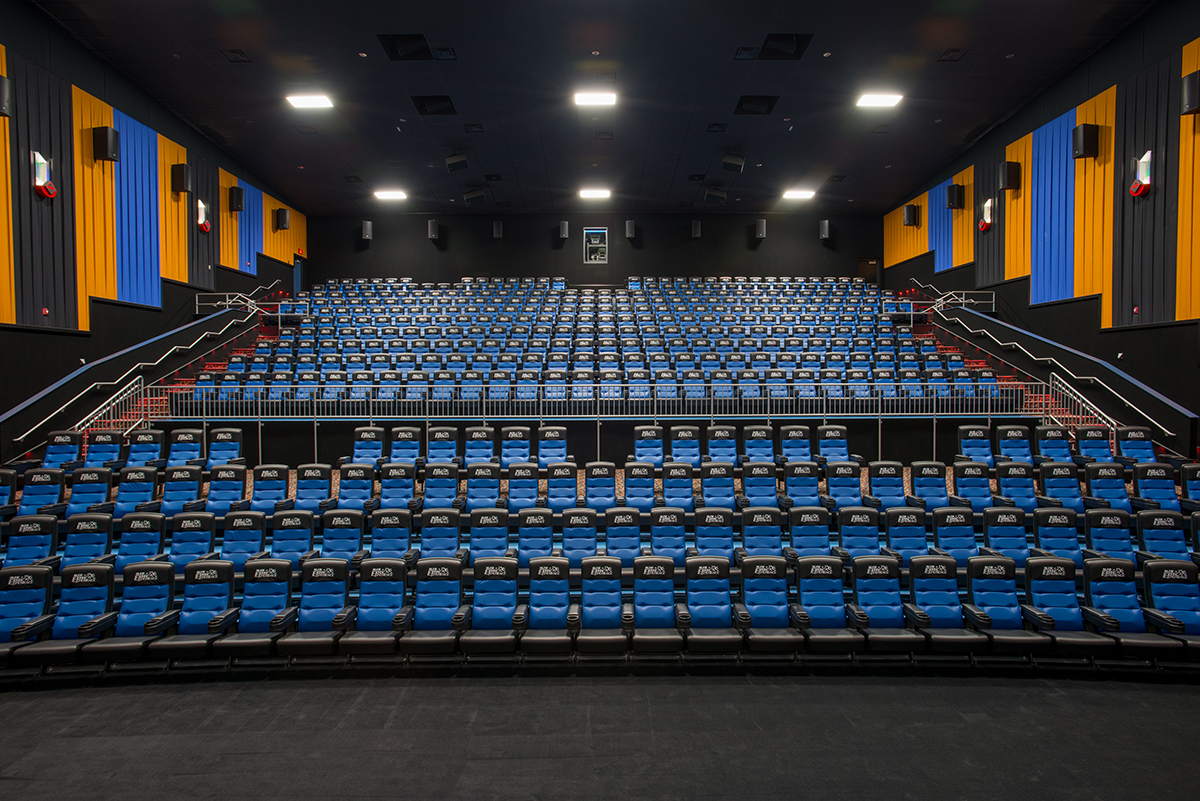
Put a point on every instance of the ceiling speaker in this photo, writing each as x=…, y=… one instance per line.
x=474, y=197
x=714, y=196
x=456, y=162
x=733, y=163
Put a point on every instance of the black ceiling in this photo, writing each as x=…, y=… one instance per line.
x=774, y=82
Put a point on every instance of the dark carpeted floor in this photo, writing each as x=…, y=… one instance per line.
x=659, y=737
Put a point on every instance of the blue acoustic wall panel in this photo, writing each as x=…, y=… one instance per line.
x=1052, y=262
x=136, y=195
x=250, y=230
x=941, y=228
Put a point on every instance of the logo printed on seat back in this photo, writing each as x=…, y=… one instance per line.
x=1174, y=574
x=549, y=570
x=821, y=570
x=1057, y=520
x=601, y=570
x=877, y=570
x=20, y=580
x=265, y=573
x=935, y=570
x=1113, y=572
x=654, y=570
x=86, y=525
x=83, y=578
x=707, y=570
x=1056, y=571
x=322, y=572
x=993, y=570
x=205, y=575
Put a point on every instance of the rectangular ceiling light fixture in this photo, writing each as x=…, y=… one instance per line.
x=799, y=194
x=595, y=193
x=880, y=101
x=595, y=98
x=310, y=101
x=391, y=194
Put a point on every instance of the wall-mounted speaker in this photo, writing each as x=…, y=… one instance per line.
x=237, y=198
x=956, y=196
x=910, y=215
x=695, y=229
x=497, y=229
x=368, y=229
x=1010, y=175
x=283, y=219
x=733, y=163
x=760, y=229
x=630, y=229
x=6, y=97
x=456, y=162
x=823, y=229
x=1191, y=93
x=181, y=178
x=1085, y=141
x=106, y=144
x=433, y=229
x=564, y=230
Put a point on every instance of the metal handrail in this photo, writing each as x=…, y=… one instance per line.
x=1050, y=360
x=132, y=388
x=1058, y=384
x=232, y=299
x=134, y=369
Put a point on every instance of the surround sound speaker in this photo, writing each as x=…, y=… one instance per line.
x=630, y=229
x=1085, y=141
x=956, y=196
x=433, y=229
x=1010, y=175
x=714, y=196
x=237, y=198
x=497, y=229
x=760, y=229
x=695, y=229
x=473, y=197
x=283, y=219
x=456, y=162
x=823, y=229
x=6, y=97
x=368, y=229
x=733, y=163
x=106, y=144
x=910, y=215
x=564, y=229
x=181, y=178
x=1191, y=93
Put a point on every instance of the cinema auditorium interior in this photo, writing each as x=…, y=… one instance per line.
x=599, y=399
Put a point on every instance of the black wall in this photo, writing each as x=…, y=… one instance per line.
x=531, y=246
x=204, y=248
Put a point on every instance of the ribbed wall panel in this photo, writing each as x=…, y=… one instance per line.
x=1052, y=212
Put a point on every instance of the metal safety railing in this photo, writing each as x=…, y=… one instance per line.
x=210, y=302
x=592, y=401
x=125, y=410
x=1068, y=407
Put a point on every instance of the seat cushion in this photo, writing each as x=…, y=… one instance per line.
x=428, y=642
x=246, y=644
x=657, y=641
x=774, y=640
x=1018, y=641
x=833, y=641
x=368, y=643
x=892, y=641
x=182, y=646
x=308, y=643
x=115, y=649
x=546, y=641
x=955, y=641
x=714, y=641
x=1143, y=645
x=488, y=641
x=601, y=641
x=49, y=652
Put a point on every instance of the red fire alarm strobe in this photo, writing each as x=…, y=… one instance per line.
x=984, y=225
x=1137, y=188
x=206, y=226
x=46, y=190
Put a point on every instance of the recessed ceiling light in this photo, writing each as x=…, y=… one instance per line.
x=391, y=194
x=880, y=100
x=595, y=98
x=595, y=52
x=595, y=193
x=798, y=194
x=310, y=101
x=827, y=55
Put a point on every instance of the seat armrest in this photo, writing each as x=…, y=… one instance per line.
x=741, y=616
x=327, y=504
x=872, y=502
x=692, y=551
x=259, y=555
x=1143, y=503
x=304, y=557
x=345, y=618
x=239, y=506
x=976, y=616
x=56, y=509
x=1089, y=553
x=194, y=506
x=574, y=613
x=936, y=551
x=1037, y=617
x=106, y=559
x=857, y=617
x=237, y=460
x=102, y=508
x=841, y=553
x=627, y=617
x=958, y=500
x=1000, y=500
x=284, y=619
x=31, y=628
x=790, y=554
x=357, y=558
x=1161, y=620
x=986, y=551
x=224, y=620
x=1101, y=620
x=115, y=464
x=1125, y=461
x=1188, y=505
x=67, y=467
x=7, y=511
x=196, y=462
x=157, y=464
x=403, y=620
x=797, y=616
x=148, y=506
x=286, y=505
x=892, y=552
x=1035, y=551
x=913, y=500
x=521, y=617
x=1044, y=501
x=96, y=625
x=462, y=618
x=462, y=554
x=160, y=623
x=828, y=502
x=916, y=615
x=1092, y=502
x=683, y=617
x=1144, y=556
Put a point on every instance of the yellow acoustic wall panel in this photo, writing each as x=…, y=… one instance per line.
x=227, y=225
x=95, y=207
x=1187, y=266
x=962, y=221
x=172, y=214
x=8, y=286
x=1094, y=206
x=1018, y=212
x=902, y=242
x=282, y=245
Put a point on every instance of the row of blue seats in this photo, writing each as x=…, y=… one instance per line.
x=766, y=614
